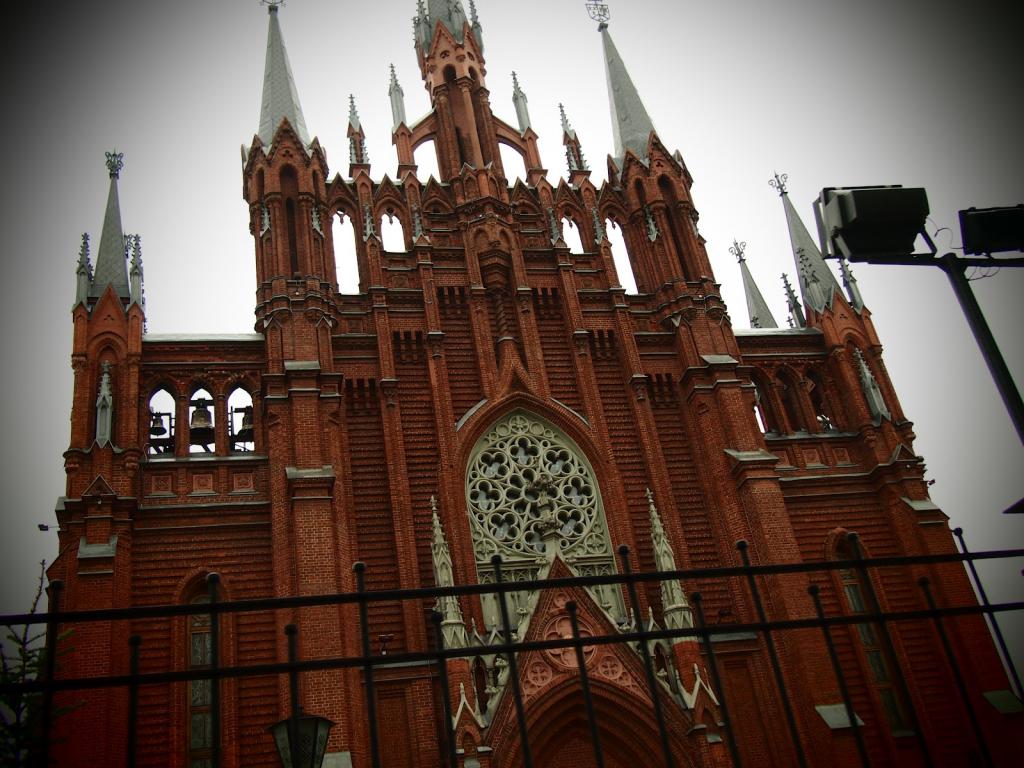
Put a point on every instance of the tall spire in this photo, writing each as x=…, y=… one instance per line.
x=280, y=98
x=757, y=307
x=135, y=273
x=83, y=272
x=817, y=283
x=872, y=392
x=796, y=312
x=631, y=125
x=451, y=14
x=111, y=267
x=397, y=96
x=357, y=154
x=519, y=100
x=573, y=150
x=852, y=290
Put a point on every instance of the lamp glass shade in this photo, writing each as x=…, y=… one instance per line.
x=312, y=731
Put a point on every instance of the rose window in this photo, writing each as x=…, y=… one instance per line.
x=527, y=482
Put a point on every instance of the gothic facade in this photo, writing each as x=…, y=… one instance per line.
x=490, y=391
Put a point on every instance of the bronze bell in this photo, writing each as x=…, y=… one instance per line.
x=156, y=425
x=201, y=418
x=247, y=422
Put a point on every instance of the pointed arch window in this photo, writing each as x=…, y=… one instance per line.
x=241, y=427
x=161, y=423
x=201, y=426
x=200, y=699
x=290, y=193
x=788, y=389
x=822, y=410
x=425, y=157
x=513, y=162
x=854, y=599
x=571, y=235
x=530, y=491
x=392, y=233
x=346, y=261
x=620, y=256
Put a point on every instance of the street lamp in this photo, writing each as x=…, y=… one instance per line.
x=310, y=740
x=880, y=225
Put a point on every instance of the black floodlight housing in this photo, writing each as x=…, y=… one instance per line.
x=992, y=230
x=863, y=222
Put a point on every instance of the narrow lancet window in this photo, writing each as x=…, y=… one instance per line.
x=241, y=432
x=161, y=422
x=620, y=256
x=343, y=234
x=392, y=233
x=200, y=422
x=571, y=235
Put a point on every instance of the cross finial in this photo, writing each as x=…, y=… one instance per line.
x=599, y=13
x=115, y=162
x=272, y=5
x=779, y=183
x=738, y=249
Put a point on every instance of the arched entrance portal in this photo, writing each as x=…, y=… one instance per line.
x=560, y=735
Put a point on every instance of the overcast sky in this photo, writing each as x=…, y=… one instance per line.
x=920, y=93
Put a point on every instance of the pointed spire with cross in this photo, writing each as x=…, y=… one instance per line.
x=757, y=307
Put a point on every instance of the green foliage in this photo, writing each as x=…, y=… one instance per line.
x=23, y=654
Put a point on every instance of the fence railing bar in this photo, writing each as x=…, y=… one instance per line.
x=844, y=691
x=859, y=562
x=364, y=631
x=252, y=605
x=773, y=656
x=133, y=698
x=50, y=667
x=716, y=679
x=212, y=582
x=588, y=702
x=645, y=652
x=513, y=666
x=446, y=702
x=396, y=659
x=992, y=620
x=291, y=632
x=947, y=648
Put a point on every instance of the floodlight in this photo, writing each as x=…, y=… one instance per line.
x=861, y=222
x=992, y=230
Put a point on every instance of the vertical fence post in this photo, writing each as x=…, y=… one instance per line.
x=890, y=649
x=697, y=600
x=773, y=656
x=446, y=704
x=513, y=665
x=49, y=669
x=851, y=716
x=588, y=702
x=925, y=585
x=290, y=632
x=652, y=682
x=371, y=695
x=996, y=630
x=212, y=582
x=133, y=697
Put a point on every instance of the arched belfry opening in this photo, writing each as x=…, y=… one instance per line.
x=290, y=194
x=620, y=255
x=532, y=493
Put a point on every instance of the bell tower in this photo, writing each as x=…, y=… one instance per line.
x=284, y=185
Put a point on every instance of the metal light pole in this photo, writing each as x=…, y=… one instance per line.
x=878, y=225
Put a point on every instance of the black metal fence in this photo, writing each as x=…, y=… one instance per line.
x=49, y=683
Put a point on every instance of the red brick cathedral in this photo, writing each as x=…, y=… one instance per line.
x=490, y=390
